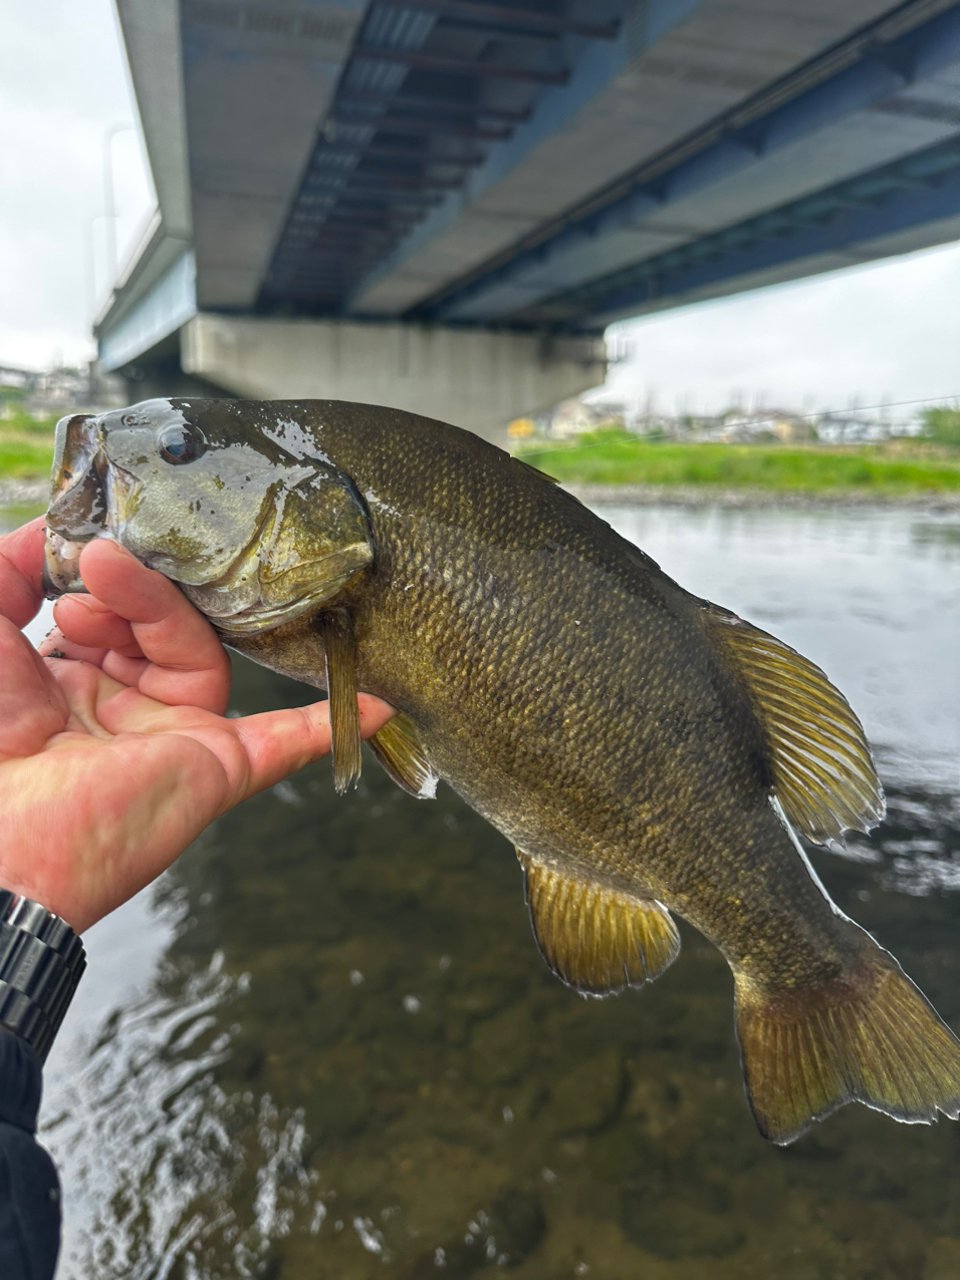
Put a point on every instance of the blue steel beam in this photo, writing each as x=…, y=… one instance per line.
x=430, y=50
x=593, y=69
x=599, y=241
x=921, y=189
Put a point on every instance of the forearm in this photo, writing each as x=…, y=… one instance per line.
x=41, y=960
x=29, y=1187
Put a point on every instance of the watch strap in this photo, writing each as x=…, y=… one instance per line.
x=41, y=962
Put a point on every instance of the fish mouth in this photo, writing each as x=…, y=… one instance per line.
x=78, y=504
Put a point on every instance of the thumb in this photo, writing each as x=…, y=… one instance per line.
x=277, y=743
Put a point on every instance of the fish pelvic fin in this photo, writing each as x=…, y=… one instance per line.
x=823, y=773
x=596, y=939
x=339, y=647
x=399, y=749
x=869, y=1035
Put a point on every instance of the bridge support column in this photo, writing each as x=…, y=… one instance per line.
x=474, y=378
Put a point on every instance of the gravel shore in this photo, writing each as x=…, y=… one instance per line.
x=23, y=493
x=677, y=495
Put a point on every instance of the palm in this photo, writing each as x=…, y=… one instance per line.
x=115, y=753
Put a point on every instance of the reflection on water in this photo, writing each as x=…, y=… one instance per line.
x=347, y=1060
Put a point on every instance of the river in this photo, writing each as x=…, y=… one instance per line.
x=324, y=1046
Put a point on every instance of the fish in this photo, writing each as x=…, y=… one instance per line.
x=650, y=754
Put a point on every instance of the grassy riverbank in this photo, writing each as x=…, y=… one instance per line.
x=615, y=457
x=22, y=459
x=26, y=445
x=618, y=458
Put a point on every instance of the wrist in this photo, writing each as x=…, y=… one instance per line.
x=41, y=962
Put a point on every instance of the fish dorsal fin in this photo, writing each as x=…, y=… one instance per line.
x=596, y=939
x=399, y=750
x=823, y=774
x=543, y=475
x=340, y=651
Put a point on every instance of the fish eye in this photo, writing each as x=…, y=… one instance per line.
x=180, y=444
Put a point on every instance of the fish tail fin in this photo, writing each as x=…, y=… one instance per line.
x=868, y=1035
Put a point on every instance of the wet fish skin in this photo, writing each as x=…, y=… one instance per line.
x=626, y=743
x=625, y=735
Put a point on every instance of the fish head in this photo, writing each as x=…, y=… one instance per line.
x=242, y=509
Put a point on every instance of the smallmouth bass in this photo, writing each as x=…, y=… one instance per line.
x=646, y=751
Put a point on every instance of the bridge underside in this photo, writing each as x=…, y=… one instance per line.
x=539, y=167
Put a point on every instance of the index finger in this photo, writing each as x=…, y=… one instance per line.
x=187, y=662
x=21, y=572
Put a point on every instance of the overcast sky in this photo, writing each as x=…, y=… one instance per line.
x=882, y=332
x=63, y=85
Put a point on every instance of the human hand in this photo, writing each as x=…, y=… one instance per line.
x=115, y=754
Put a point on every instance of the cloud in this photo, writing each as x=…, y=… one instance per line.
x=887, y=330
x=64, y=82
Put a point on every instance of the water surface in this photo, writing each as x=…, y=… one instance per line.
x=325, y=1046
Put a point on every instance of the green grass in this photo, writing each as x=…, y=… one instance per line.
x=26, y=445
x=614, y=457
x=942, y=425
x=619, y=458
x=25, y=459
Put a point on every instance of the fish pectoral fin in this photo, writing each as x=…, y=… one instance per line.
x=823, y=774
x=340, y=651
x=596, y=939
x=868, y=1035
x=398, y=748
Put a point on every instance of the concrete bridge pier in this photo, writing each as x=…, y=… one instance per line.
x=475, y=378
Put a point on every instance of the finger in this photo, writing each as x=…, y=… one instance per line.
x=21, y=572
x=188, y=664
x=32, y=708
x=56, y=645
x=129, y=671
x=277, y=743
x=86, y=621
x=85, y=687
x=254, y=751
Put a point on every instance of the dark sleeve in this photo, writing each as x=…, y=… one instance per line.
x=29, y=1187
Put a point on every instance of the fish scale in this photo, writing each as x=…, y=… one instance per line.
x=645, y=750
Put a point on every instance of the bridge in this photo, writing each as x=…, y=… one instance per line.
x=441, y=205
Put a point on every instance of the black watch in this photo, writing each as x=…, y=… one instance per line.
x=41, y=962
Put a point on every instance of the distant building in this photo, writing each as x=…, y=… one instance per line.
x=852, y=428
x=14, y=385
x=734, y=426
x=20, y=379
x=574, y=418
x=521, y=428
x=771, y=425
x=58, y=391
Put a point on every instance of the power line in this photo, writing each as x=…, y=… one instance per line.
x=869, y=408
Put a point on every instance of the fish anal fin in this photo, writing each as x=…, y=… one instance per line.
x=869, y=1036
x=339, y=649
x=595, y=938
x=823, y=773
x=398, y=748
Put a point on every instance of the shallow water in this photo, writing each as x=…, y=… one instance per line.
x=326, y=1046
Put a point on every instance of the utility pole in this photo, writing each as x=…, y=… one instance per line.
x=109, y=203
